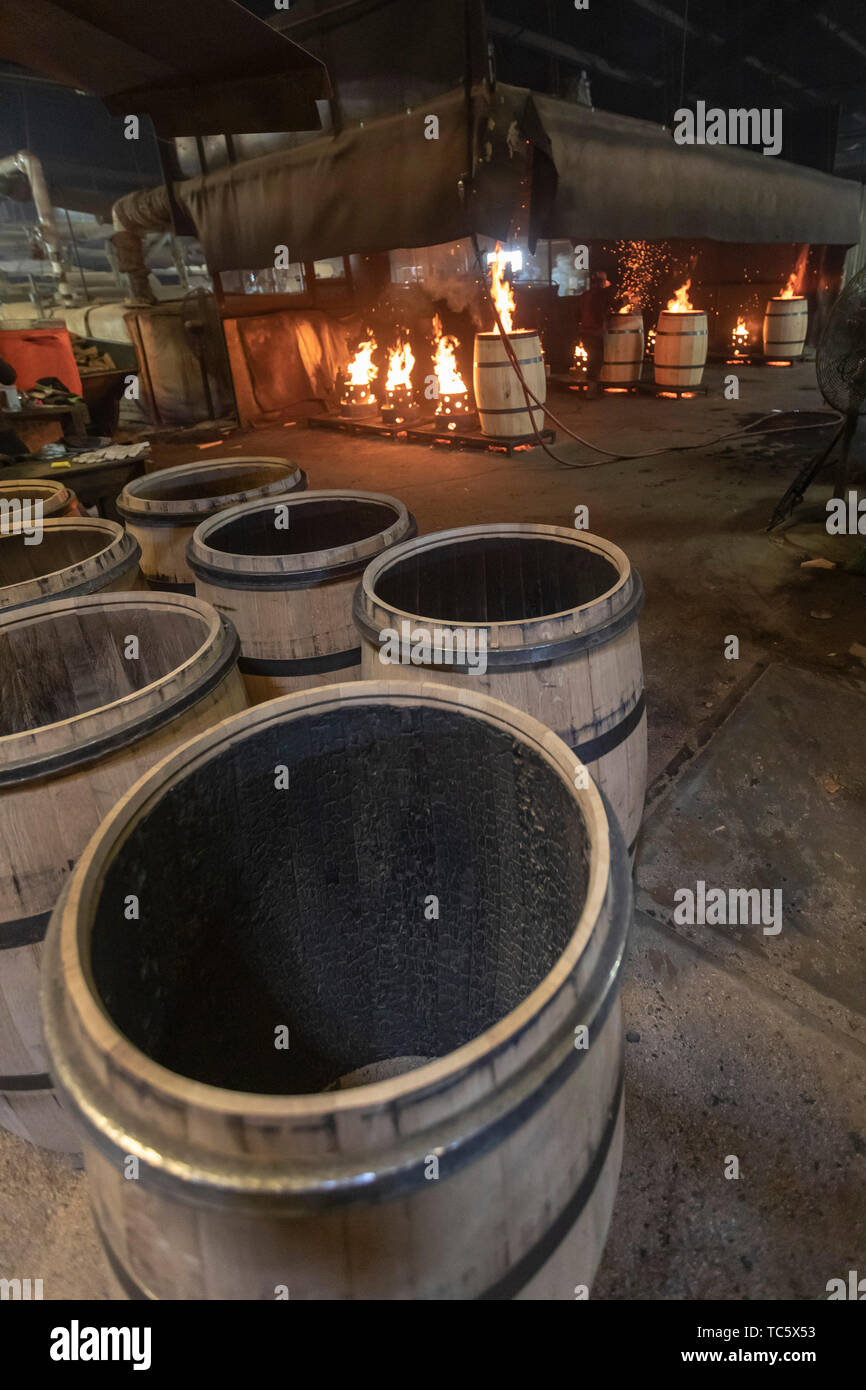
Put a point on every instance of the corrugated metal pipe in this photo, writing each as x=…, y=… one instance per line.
x=30, y=166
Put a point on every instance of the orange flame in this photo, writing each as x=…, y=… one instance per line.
x=362, y=370
x=501, y=291
x=681, y=304
x=792, y=289
x=581, y=358
x=450, y=381
x=740, y=335
x=626, y=309
x=401, y=360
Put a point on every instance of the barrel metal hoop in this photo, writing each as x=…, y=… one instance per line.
x=599, y=747
x=506, y=362
x=53, y=763
x=674, y=367
x=30, y=1081
x=166, y=586
x=302, y=665
x=535, y=1258
x=24, y=931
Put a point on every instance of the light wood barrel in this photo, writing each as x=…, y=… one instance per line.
x=680, y=348
x=76, y=556
x=285, y=572
x=623, y=350
x=556, y=612
x=498, y=392
x=785, y=325
x=79, y=723
x=53, y=497
x=163, y=509
x=437, y=916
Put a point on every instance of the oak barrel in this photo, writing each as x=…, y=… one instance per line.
x=163, y=509
x=499, y=395
x=53, y=497
x=556, y=612
x=387, y=1063
x=81, y=718
x=680, y=348
x=623, y=350
x=285, y=572
x=785, y=325
x=75, y=556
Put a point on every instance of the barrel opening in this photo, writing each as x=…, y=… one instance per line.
x=420, y=876
x=66, y=665
x=496, y=579
x=325, y=524
x=43, y=492
x=60, y=547
x=204, y=482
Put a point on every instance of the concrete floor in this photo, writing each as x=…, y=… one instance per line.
x=723, y=1057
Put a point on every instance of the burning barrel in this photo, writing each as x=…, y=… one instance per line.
x=82, y=715
x=75, y=556
x=785, y=323
x=406, y=967
x=555, y=614
x=623, y=349
x=499, y=395
x=680, y=348
x=285, y=572
x=162, y=509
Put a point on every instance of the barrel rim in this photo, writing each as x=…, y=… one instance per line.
x=31, y=591
x=230, y=569
x=54, y=486
x=68, y=980
x=135, y=506
x=489, y=334
x=546, y=631
x=32, y=754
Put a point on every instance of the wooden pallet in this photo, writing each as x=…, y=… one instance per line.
x=474, y=439
x=375, y=428
x=427, y=431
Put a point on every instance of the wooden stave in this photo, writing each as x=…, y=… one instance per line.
x=294, y=636
x=227, y=1223
x=55, y=808
x=164, y=528
x=113, y=568
x=615, y=370
x=785, y=347
x=508, y=421
x=621, y=770
x=678, y=373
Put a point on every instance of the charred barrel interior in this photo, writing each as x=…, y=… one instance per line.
x=327, y=934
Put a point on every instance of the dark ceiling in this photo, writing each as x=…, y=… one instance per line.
x=643, y=57
x=646, y=58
